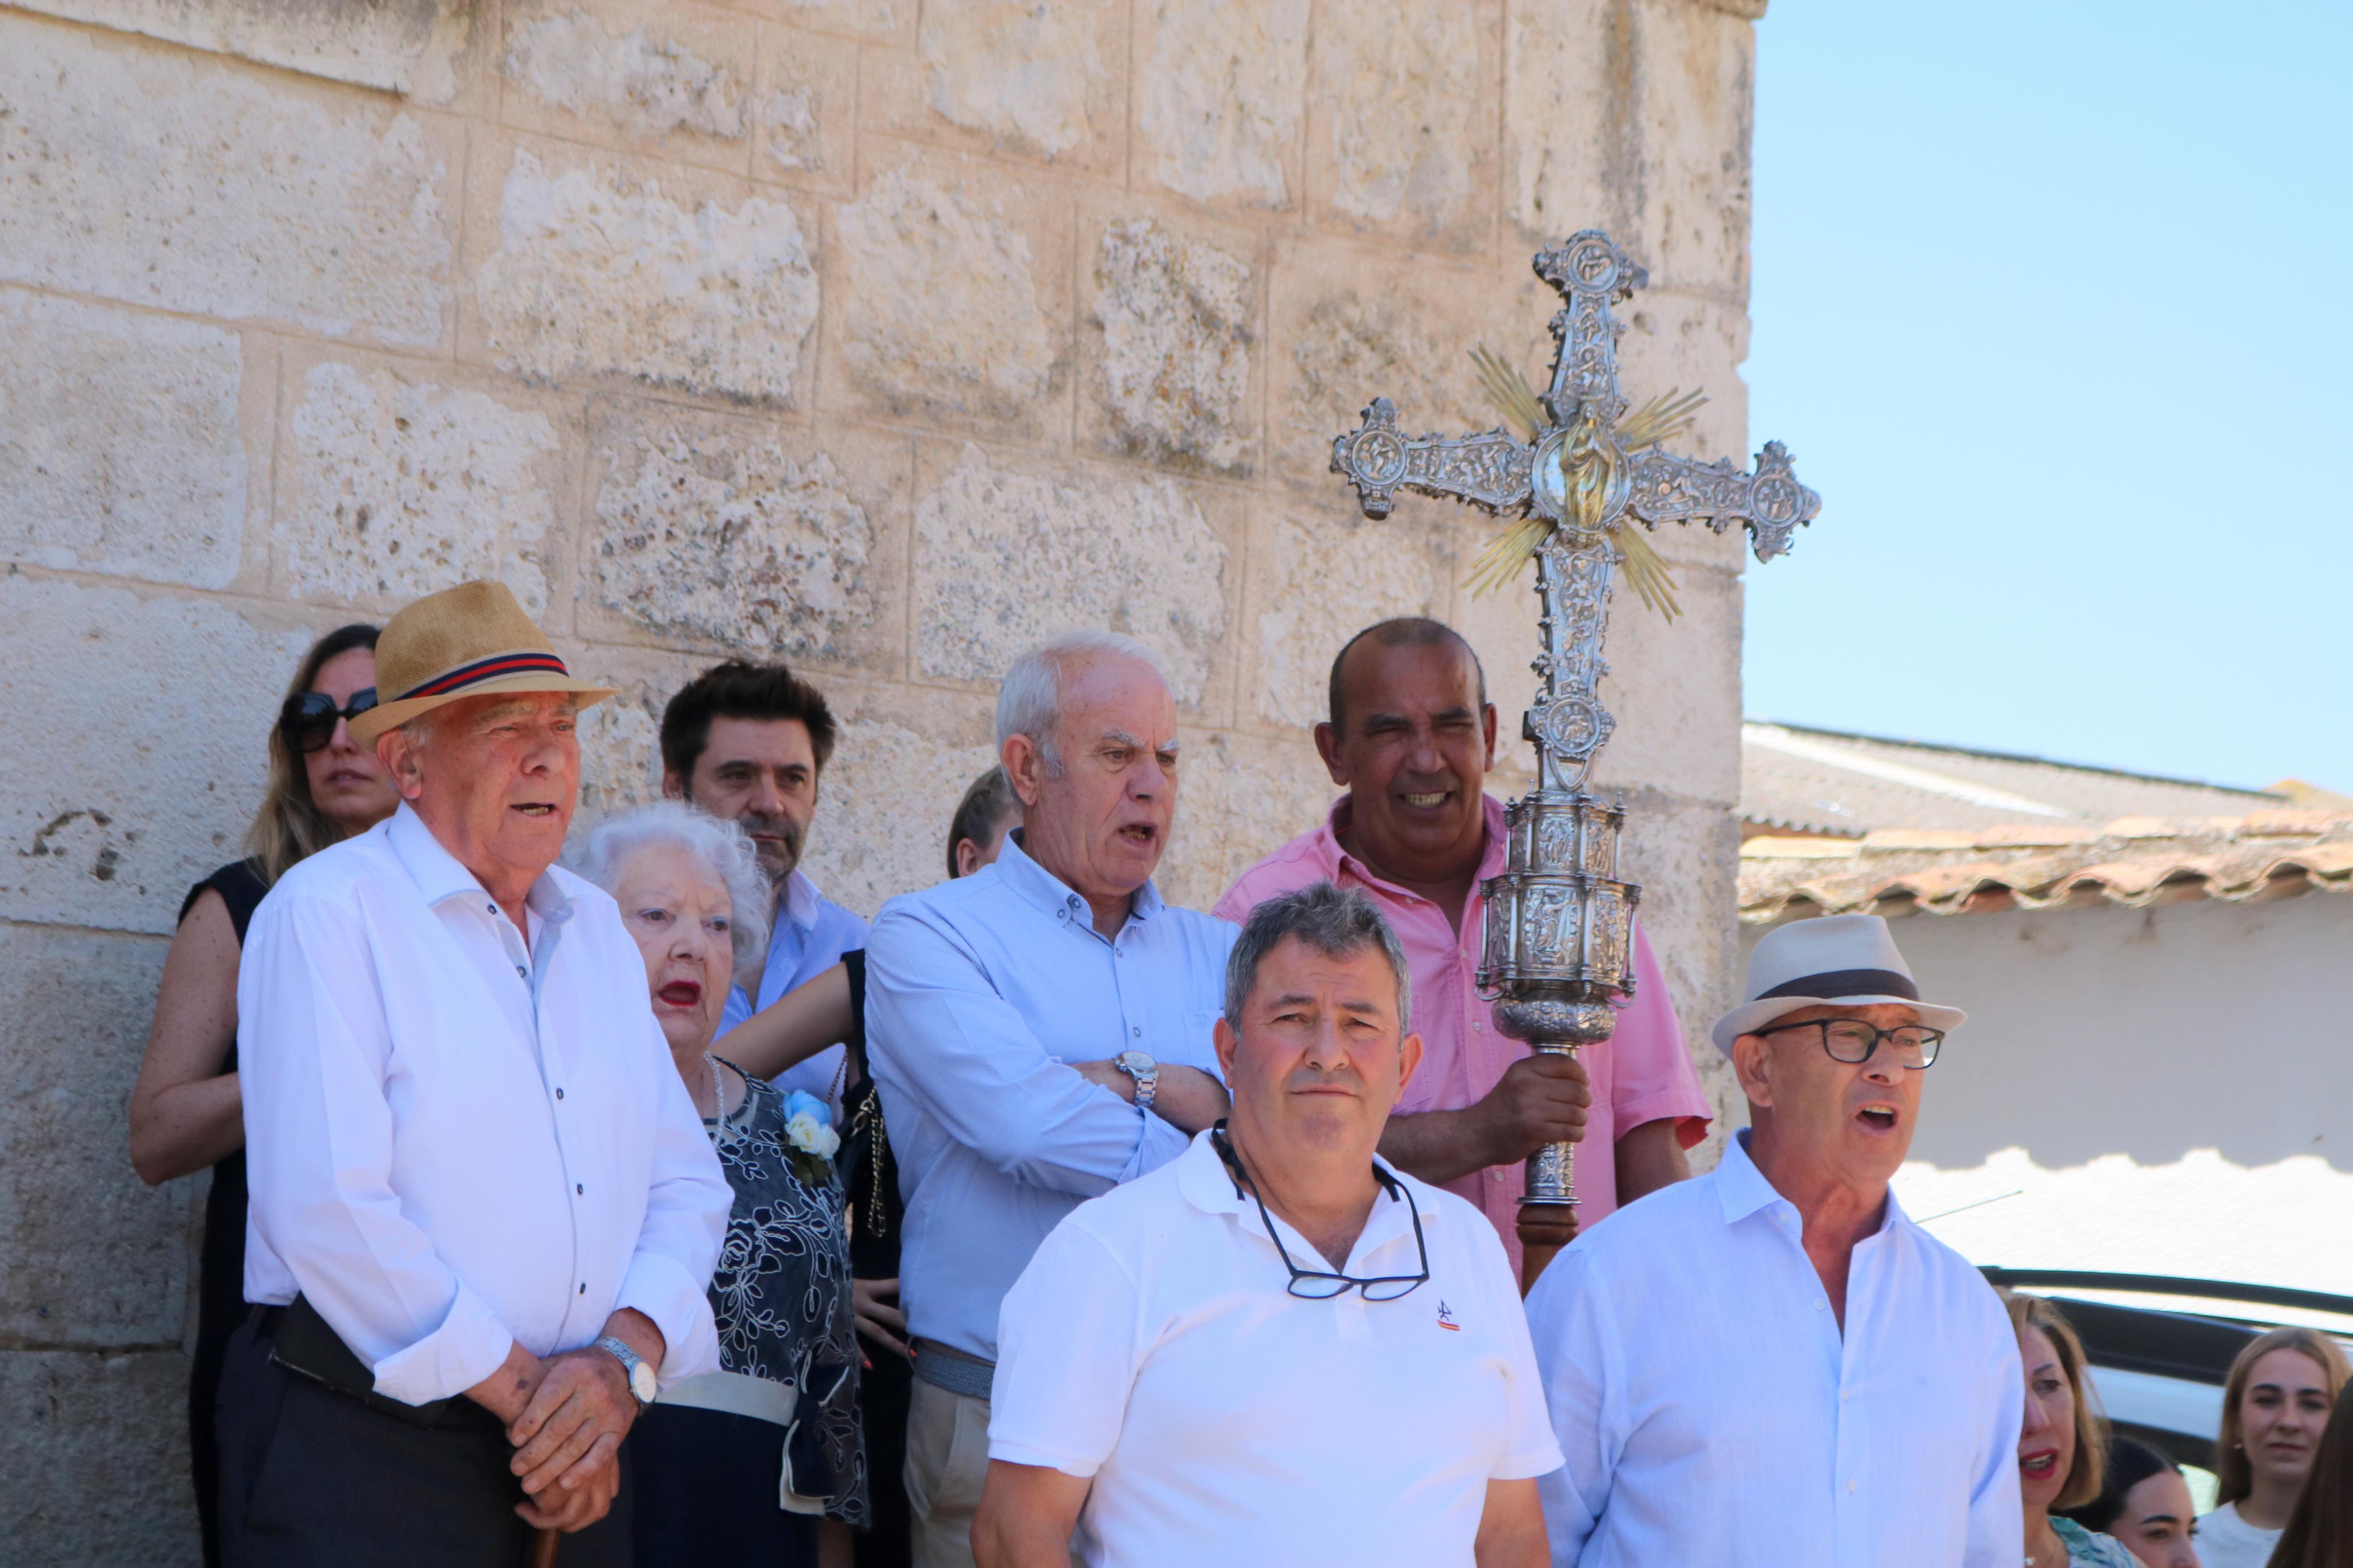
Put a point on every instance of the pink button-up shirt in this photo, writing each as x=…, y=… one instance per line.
x=1642, y=1074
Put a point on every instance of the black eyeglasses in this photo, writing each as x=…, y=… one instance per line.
x=1851, y=1040
x=308, y=720
x=1321, y=1284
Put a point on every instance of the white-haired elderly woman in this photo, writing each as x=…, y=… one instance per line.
x=759, y=1463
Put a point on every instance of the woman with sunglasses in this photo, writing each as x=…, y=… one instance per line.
x=185, y=1109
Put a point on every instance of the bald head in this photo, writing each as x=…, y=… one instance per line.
x=1410, y=738
x=1405, y=631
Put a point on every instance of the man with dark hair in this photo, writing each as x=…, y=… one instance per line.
x=1412, y=738
x=749, y=742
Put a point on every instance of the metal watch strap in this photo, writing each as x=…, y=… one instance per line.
x=1147, y=1079
x=618, y=1349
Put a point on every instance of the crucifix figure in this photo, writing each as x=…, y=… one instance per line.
x=1558, y=947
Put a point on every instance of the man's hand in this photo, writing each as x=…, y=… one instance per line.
x=1541, y=1099
x=875, y=1302
x=568, y=1437
x=1185, y=1097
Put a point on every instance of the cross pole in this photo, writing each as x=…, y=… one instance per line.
x=1557, y=952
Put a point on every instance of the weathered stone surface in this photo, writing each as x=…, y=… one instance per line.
x=1316, y=579
x=88, y=1254
x=948, y=305
x=805, y=111
x=1219, y=92
x=656, y=76
x=1173, y=359
x=1699, y=94
x=1684, y=853
x=877, y=21
x=1239, y=797
x=1401, y=135
x=1040, y=78
x=409, y=47
x=96, y=1448
x=1676, y=689
x=162, y=180
x=613, y=271
x=111, y=836
x=720, y=531
x=621, y=737
x=120, y=448
x=1004, y=559
x=882, y=811
x=399, y=487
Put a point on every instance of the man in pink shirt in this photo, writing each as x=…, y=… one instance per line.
x=1411, y=736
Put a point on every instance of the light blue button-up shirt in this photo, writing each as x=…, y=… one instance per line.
x=810, y=934
x=1713, y=1412
x=977, y=992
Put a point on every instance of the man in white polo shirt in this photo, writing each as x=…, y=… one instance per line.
x=1275, y=1349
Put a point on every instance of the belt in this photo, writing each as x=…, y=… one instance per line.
x=958, y=1372
x=298, y=1339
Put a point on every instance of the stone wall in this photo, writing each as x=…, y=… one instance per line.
x=884, y=336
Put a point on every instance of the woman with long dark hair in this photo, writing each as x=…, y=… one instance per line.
x=2319, y=1532
x=185, y=1111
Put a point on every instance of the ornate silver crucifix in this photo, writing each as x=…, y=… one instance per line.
x=1558, y=947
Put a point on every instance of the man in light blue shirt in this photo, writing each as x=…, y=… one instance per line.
x=1039, y=1032
x=749, y=742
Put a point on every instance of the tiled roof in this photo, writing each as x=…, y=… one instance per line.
x=1799, y=780
x=2042, y=864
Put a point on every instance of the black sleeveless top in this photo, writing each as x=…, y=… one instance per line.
x=220, y=1269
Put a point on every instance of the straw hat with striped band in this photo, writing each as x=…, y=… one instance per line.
x=472, y=640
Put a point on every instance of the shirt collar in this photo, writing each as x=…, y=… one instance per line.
x=440, y=876
x=1209, y=1186
x=797, y=900
x=1743, y=1189
x=1333, y=858
x=1050, y=894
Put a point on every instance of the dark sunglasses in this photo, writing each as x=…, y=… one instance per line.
x=1322, y=1284
x=308, y=720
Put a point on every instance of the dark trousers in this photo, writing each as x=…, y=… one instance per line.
x=313, y=1478
x=706, y=1493
x=883, y=1393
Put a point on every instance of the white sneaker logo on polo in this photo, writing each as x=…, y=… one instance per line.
x=1446, y=1319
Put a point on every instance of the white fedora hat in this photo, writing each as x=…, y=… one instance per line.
x=1848, y=959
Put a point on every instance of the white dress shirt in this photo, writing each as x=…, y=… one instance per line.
x=977, y=992
x=457, y=1142
x=1153, y=1345
x=810, y=934
x=1712, y=1412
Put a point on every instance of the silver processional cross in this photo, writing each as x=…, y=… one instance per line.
x=1557, y=951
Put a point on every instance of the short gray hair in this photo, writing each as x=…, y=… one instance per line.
x=1030, y=703
x=1338, y=922
x=720, y=846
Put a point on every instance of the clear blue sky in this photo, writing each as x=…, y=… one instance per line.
x=2053, y=304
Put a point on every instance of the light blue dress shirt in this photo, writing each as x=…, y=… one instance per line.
x=977, y=992
x=1714, y=1413
x=810, y=934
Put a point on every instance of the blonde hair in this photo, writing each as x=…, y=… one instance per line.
x=2089, y=1468
x=290, y=827
x=2235, y=1477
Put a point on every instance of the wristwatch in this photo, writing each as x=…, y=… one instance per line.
x=1145, y=1072
x=642, y=1386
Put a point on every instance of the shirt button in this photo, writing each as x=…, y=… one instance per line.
x=1819, y=1303
x=521, y=972
x=576, y=1187
x=1850, y=1485
x=584, y=1291
x=1137, y=1031
x=1844, y=1396
x=559, y=1094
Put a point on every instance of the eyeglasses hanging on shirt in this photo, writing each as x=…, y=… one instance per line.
x=1322, y=1284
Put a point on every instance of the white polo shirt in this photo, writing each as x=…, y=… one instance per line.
x=1152, y=1345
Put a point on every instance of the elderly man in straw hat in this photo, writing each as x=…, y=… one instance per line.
x=1773, y=1364
x=484, y=1211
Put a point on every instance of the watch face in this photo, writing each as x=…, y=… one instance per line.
x=642, y=1382
x=1137, y=1061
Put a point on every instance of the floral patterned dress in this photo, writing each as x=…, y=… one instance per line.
x=781, y=1293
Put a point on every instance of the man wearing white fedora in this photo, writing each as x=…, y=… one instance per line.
x=1773, y=1364
x=484, y=1211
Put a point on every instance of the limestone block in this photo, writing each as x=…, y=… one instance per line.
x=1006, y=557
x=890, y=22
x=120, y=450
x=1221, y=86
x=1172, y=320
x=95, y=1446
x=1042, y=81
x=608, y=270
x=804, y=112
x=271, y=202
x=1684, y=855
x=1317, y=578
x=153, y=714
x=733, y=534
x=414, y=48
x=399, y=484
x=1350, y=326
x=92, y=1256
x=1401, y=132
x=1676, y=690
x=953, y=288
x=1239, y=798
x=902, y=763
x=621, y=737
x=653, y=78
